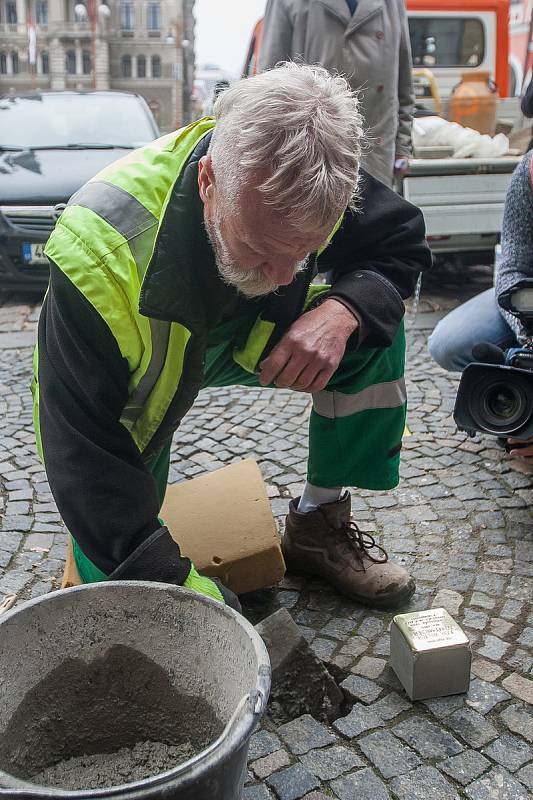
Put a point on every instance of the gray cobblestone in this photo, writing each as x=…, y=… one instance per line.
x=363, y=785
x=304, y=734
x=387, y=754
x=509, y=751
x=422, y=783
x=465, y=767
x=483, y=696
x=427, y=738
x=471, y=727
x=330, y=762
x=498, y=783
x=360, y=719
x=292, y=783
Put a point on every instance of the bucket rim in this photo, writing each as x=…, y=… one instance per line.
x=236, y=731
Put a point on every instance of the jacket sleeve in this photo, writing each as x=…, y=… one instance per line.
x=276, y=37
x=516, y=261
x=376, y=257
x=105, y=494
x=406, y=96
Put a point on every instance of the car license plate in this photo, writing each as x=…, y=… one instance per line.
x=34, y=253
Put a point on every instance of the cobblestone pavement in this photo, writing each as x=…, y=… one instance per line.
x=461, y=520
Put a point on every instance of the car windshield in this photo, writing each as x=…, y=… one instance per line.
x=60, y=120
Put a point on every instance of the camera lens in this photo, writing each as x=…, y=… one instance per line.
x=501, y=407
x=503, y=403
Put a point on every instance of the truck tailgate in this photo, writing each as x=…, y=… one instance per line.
x=459, y=196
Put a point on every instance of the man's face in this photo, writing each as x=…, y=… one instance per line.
x=255, y=250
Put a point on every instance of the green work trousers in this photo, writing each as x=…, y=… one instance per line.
x=355, y=426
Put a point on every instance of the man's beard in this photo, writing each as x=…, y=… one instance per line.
x=249, y=281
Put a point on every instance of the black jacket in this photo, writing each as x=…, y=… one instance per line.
x=99, y=480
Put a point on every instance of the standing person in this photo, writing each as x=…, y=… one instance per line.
x=188, y=264
x=368, y=42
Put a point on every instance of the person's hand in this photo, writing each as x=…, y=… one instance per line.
x=524, y=449
x=401, y=166
x=311, y=350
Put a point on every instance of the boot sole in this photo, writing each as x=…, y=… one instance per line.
x=385, y=602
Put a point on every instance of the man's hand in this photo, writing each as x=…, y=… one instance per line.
x=311, y=350
x=524, y=449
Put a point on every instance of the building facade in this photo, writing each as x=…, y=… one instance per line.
x=128, y=45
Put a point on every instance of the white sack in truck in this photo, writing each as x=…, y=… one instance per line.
x=466, y=142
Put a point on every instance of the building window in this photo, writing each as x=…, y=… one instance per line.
x=141, y=66
x=11, y=13
x=126, y=66
x=86, y=62
x=154, y=19
x=156, y=66
x=127, y=17
x=15, y=66
x=70, y=62
x=41, y=12
x=45, y=63
x=3, y=64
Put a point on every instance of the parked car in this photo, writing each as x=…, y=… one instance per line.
x=51, y=143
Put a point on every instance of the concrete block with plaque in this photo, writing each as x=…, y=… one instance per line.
x=224, y=523
x=430, y=654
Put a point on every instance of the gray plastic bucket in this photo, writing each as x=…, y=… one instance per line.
x=201, y=648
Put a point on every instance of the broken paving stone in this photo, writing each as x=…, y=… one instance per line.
x=430, y=740
x=483, y=696
x=360, y=719
x=509, y=751
x=362, y=785
x=497, y=784
x=359, y=688
x=387, y=754
x=465, y=767
x=423, y=783
x=300, y=682
x=330, y=762
x=391, y=705
x=304, y=734
x=293, y=783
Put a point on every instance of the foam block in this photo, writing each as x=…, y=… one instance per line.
x=223, y=522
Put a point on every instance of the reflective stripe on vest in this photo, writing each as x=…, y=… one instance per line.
x=104, y=243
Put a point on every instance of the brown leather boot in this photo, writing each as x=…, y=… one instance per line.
x=326, y=542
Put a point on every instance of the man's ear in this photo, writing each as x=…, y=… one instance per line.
x=206, y=179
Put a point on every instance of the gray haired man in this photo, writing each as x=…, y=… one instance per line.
x=188, y=264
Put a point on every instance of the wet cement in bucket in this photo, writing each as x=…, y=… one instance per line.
x=115, y=720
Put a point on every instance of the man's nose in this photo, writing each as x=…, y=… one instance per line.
x=281, y=273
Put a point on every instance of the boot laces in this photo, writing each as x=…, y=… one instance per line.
x=362, y=543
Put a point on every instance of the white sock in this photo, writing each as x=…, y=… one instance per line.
x=314, y=496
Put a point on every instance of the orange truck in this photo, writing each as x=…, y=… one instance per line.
x=462, y=199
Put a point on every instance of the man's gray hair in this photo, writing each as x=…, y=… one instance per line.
x=297, y=131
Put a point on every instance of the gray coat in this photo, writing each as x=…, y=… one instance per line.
x=371, y=48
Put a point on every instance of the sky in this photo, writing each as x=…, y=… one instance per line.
x=223, y=31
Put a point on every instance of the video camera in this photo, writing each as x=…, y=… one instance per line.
x=496, y=391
